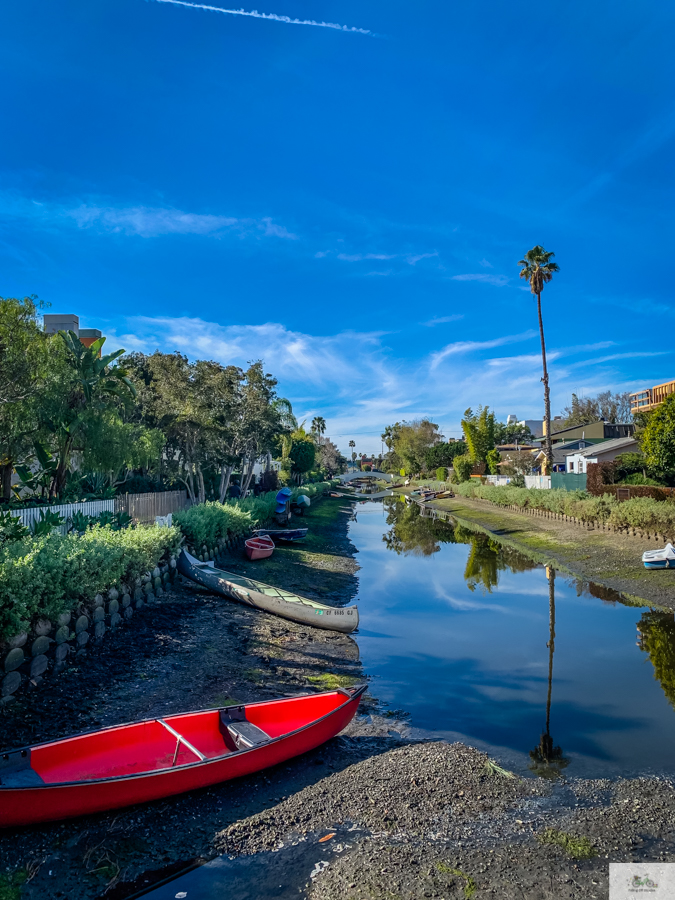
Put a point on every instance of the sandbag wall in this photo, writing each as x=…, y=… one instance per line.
x=51, y=646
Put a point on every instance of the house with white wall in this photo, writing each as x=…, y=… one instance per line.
x=578, y=460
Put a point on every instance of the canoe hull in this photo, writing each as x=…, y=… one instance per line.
x=326, y=617
x=31, y=805
x=284, y=534
x=259, y=547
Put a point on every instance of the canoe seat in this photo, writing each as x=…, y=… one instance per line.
x=240, y=734
x=246, y=735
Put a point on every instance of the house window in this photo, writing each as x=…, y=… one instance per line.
x=571, y=467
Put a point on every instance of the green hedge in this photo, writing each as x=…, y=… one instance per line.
x=48, y=575
x=643, y=513
x=208, y=523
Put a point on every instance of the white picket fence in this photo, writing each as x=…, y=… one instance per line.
x=66, y=510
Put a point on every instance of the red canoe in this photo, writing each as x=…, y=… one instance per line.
x=259, y=547
x=155, y=758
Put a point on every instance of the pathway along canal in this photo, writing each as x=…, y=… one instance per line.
x=457, y=633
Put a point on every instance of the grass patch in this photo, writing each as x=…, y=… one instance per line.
x=330, y=682
x=255, y=675
x=10, y=884
x=492, y=769
x=469, y=883
x=575, y=847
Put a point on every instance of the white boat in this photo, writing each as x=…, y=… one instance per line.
x=268, y=598
x=659, y=559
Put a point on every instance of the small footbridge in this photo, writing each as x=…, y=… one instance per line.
x=378, y=476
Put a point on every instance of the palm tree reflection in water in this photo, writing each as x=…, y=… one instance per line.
x=547, y=760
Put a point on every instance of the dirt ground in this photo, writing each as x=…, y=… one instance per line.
x=435, y=820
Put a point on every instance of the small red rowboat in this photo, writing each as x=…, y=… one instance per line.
x=155, y=758
x=259, y=547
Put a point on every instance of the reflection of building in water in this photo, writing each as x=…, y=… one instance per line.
x=548, y=760
x=656, y=637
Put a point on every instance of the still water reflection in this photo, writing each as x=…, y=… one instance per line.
x=478, y=643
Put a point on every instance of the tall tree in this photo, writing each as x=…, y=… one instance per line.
x=538, y=269
x=94, y=388
x=606, y=406
x=26, y=367
x=318, y=426
x=479, y=433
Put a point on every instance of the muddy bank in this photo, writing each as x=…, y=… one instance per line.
x=192, y=650
x=592, y=555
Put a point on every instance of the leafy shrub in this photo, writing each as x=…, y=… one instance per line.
x=45, y=523
x=207, y=523
x=11, y=528
x=463, y=467
x=49, y=574
x=441, y=473
x=644, y=513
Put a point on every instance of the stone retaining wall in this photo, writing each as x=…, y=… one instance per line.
x=51, y=646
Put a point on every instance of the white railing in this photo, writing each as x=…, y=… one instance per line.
x=66, y=510
x=541, y=482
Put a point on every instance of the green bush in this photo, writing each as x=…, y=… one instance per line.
x=644, y=513
x=441, y=473
x=50, y=574
x=207, y=523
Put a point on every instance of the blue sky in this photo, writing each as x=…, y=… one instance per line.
x=350, y=206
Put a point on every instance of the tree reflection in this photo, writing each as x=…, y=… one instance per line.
x=413, y=534
x=547, y=760
x=656, y=636
x=416, y=531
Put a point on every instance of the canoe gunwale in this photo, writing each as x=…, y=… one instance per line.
x=350, y=695
x=290, y=608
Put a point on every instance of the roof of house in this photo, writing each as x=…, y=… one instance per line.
x=604, y=447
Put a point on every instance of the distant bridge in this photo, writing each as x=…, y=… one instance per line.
x=380, y=476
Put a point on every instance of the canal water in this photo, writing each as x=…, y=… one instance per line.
x=464, y=639
x=475, y=642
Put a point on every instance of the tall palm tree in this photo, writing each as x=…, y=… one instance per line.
x=538, y=269
x=319, y=425
x=352, y=444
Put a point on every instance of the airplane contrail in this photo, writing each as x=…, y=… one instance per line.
x=273, y=16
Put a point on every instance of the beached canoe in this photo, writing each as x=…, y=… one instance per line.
x=268, y=598
x=259, y=547
x=155, y=758
x=659, y=559
x=284, y=534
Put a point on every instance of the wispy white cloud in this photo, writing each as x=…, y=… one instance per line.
x=632, y=355
x=413, y=260
x=497, y=280
x=360, y=384
x=254, y=14
x=472, y=346
x=442, y=320
x=137, y=220
x=358, y=257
